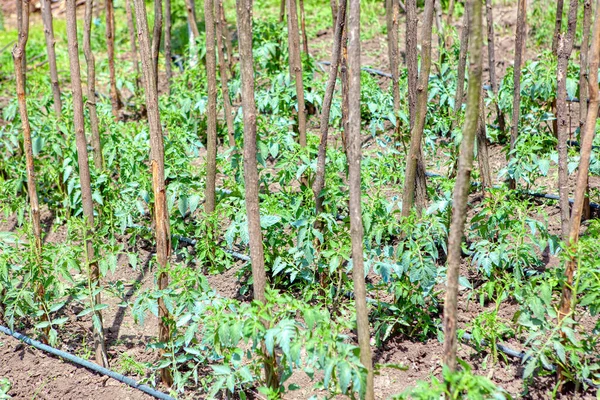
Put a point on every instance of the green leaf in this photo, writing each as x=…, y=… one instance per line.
x=221, y=369
x=269, y=220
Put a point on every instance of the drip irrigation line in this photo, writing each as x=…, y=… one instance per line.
x=372, y=71
x=575, y=143
x=87, y=364
x=521, y=355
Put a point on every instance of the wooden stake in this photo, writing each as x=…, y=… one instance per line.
x=463, y=183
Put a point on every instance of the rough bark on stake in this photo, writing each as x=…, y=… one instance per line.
x=156, y=33
x=438, y=23
x=84, y=176
x=110, y=49
x=519, y=45
x=344, y=79
x=492, y=61
x=356, y=226
x=191, y=16
x=483, y=158
x=303, y=26
x=462, y=66
x=450, y=13
x=49, y=33
x=565, y=47
x=282, y=10
x=296, y=67
x=18, y=53
x=413, y=78
x=22, y=9
x=134, y=53
x=211, y=130
x=463, y=183
x=412, y=57
x=157, y=164
x=334, y=11
x=91, y=85
x=224, y=77
x=557, y=25
x=566, y=301
x=392, y=13
x=583, y=92
x=227, y=37
x=319, y=182
x=244, y=22
x=168, y=68
x=410, y=176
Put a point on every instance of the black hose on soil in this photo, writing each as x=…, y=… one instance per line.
x=87, y=364
x=523, y=357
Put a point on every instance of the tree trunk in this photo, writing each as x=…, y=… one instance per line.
x=410, y=177
x=228, y=39
x=244, y=21
x=296, y=68
x=168, y=60
x=483, y=158
x=49, y=33
x=282, y=10
x=450, y=13
x=356, y=226
x=344, y=79
x=191, y=16
x=462, y=65
x=565, y=47
x=156, y=34
x=566, y=302
x=412, y=64
x=557, y=25
x=22, y=9
x=319, y=182
x=84, y=176
x=438, y=23
x=134, y=53
x=110, y=47
x=18, y=53
x=334, y=11
x=303, y=26
x=583, y=96
x=161, y=214
x=392, y=15
x=211, y=131
x=463, y=183
x=492, y=61
x=224, y=77
x=91, y=85
x=519, y=47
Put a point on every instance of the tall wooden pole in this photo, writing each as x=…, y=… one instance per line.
x=566, y=301
x=18, y=58
x=356, y=226
x=463, y=183
x=91, y=85
x=244, y=23
x=296, y=68
x=49, y=33
x=565, y=47
x=84, y=176
x=157, y=165
x=211, y=131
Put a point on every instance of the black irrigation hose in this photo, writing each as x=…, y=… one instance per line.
x=87, y=364
x=575, y=143
x=523, y=357
x=371, y=71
